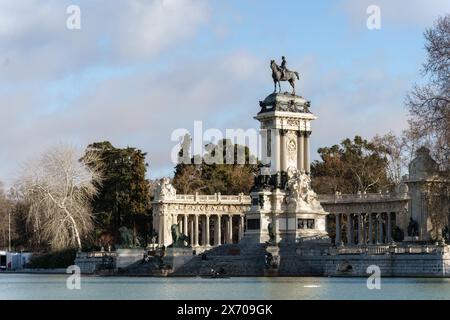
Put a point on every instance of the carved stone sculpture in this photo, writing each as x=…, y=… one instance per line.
x=165, y=190
x=300, y=195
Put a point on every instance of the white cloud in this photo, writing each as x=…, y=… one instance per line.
x=397, y=13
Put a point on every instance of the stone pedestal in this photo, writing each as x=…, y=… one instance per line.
x=272, y=266
x=176, y=257
x=127, y=257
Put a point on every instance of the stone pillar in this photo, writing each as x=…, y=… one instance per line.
x=300, y=151
x=370, y=228
x=360, y=229
x=306, y=151
x=203, y=218
x=185, y=224
x=196, y=230
x=275, y=151
x=349, y=229
x=218, y=240
x=207, y=240
x=242, y=225
x=191, y=235
x=264, y=151
x=388, y=228
x=283, y=151
x=380, y=228
x=230, y=229
x=240, y=229
x=338, y=240
x=161, y=230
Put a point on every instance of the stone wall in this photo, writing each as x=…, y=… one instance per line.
x=322, y=260
x=90, y=262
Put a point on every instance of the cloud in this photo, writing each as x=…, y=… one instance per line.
x=398, y=13
x=140, y=109
x=37, y=45
x=134, y=73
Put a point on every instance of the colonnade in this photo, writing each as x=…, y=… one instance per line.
x=364, y=228
x=207, y=230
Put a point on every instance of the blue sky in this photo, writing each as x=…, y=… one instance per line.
x=137, y=70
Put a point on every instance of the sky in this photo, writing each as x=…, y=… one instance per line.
x=137, y=70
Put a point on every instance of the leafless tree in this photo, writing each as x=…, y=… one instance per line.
x=399, y=150
x=58, y=187
x=429, y=107
x=7, y=226
x=429, y=104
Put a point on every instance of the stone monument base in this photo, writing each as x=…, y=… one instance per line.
x=176, y=257
x=127, y=257
x=271, y=269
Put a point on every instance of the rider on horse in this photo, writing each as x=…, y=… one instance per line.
x=283, y=67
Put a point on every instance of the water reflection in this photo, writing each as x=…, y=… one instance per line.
x=16, y=286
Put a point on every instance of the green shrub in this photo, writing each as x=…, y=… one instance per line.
x=54, y=259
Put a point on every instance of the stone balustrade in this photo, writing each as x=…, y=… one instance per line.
x=362, y=197
x=212, y=199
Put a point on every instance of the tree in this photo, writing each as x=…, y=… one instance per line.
x=429, y=104
x=59, y=188
x=7, y=221
x=218, y=170
x=123, y=198
x=429, y=124
x=352, y=166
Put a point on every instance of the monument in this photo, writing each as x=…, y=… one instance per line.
x=282, y=197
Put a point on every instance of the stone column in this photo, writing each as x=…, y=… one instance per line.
x=203, y=218
x=300, y=151
x=242, y=228
x=388, y=228
x=283, y=151
x=370, y=228
x=230, y=229
x=349, y=229
x=338, y=240
x=196, y=230
x=185, y=224
x=380, y=228
x=264, y=151
x=360, y=230
x=161, y=230
x=306, y=151
x=191, y=235
x=275, y=151
x=218, y=240
x=208, y=242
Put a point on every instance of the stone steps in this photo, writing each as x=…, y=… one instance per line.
x=235, y=259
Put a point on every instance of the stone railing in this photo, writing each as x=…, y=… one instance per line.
x=389, y=249
x=215, y=198
x=96, y=254
x=362, y=197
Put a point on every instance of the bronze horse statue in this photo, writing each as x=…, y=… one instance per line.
x=288, y=76
x=178, y=238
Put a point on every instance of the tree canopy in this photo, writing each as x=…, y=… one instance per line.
x=216, y=171
x=123, y=198
x=352, y=166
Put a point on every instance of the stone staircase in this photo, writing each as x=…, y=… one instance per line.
x=243, y=259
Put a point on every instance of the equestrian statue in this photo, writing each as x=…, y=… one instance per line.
x=281, y=73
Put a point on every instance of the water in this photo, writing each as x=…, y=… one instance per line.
x=29, y=286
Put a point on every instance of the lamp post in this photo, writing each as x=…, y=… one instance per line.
x=9, y=230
